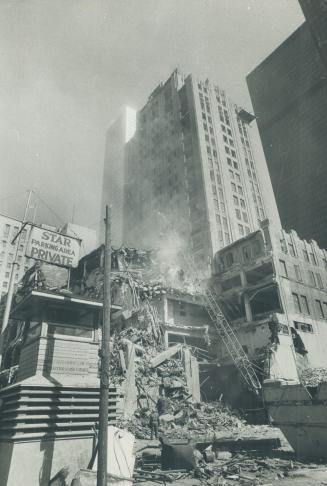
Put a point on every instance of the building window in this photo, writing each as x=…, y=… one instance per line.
x=182, y=309
x=241, y=230
x=256, y=248
x=6, y=230
x=233, y=186
x=7, y=274
x=319, y=281
x=313, y=258
x=242, y=203
x=312, y=279
x=229, y=259
x=304, y=305
x=235, y=200
x=301, y=326
x=298, y=275
x=283, y=268
x=246, y=253
x=296, y=302
x=238, y=213
x=283, y=246
x=245, y=217
x=23, y=235
x=306, y=255
x=229, y=162
x=320, y=311
x=240, y=190
x=291, y=249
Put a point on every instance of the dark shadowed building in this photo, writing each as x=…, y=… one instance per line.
x=289, y=95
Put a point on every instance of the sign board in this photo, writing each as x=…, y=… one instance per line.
x=52, y=247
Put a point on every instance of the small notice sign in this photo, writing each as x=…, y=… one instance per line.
x=52, y=247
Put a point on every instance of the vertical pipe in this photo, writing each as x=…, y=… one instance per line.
x=104, y=355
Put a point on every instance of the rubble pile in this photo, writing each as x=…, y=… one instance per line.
x=184, y=419
x=146, y=347
x=313, y=376
x=245, y=468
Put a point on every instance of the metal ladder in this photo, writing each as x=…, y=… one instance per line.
x=225, y=332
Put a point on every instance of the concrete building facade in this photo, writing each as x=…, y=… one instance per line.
x=273, y=288
x=191, y=170
x=9, y=228
x=87, y=236
x=113, y=182
x=289, y=95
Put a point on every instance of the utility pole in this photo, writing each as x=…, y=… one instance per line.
x=12, y=275
x=104, y=371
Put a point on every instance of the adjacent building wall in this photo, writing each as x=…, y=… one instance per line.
x=289, y=95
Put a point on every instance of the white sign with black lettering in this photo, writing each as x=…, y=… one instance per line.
x=52, y=247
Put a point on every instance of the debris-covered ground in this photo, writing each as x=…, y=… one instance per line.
x=226, y=468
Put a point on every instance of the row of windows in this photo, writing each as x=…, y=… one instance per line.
x=235, y=175
x=301, y=326
x=238, y=215
x=230, y=151
x=314, y=278
x=301, y=305
x=308, y=256
x=239, y=201
x=232, y=163
x=238, y=189
x=248, y=252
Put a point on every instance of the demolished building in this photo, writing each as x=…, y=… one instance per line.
x=50, y=378
x=272, y=287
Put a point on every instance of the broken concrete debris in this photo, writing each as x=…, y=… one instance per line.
x=313, y=376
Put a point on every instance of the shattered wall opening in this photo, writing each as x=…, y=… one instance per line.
x=265, y=300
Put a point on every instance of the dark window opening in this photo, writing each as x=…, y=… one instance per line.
x=231, y=283
x=257, y=274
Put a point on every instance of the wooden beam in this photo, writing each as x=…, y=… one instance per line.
x=162, y=357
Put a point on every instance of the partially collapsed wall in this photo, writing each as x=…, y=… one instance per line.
x=272, y=287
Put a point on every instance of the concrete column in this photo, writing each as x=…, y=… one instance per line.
x=248, y=310
x=243, y=279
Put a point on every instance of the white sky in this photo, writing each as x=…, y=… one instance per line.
x=68, y=67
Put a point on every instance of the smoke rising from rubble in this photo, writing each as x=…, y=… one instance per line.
x=168, y=256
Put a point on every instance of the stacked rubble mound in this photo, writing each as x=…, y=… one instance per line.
x=313, y=376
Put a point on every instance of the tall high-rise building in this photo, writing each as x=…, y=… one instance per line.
x=289, y=95
x=194, y=167
x=113, y=185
